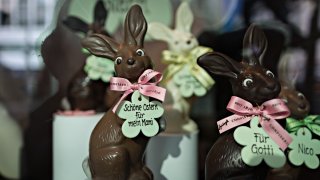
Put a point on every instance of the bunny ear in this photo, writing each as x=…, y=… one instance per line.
x=135, y=26
x=283, y=68
x=184, y=17
x=255, y=45
x=101, y=45
x=283, y=71
x=100, y=13
x=159, y=31
x=76, y=24
x=219, y=64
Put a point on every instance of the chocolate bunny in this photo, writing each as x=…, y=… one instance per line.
x=180, y=41
x=299, y=107
x=97, y=26
x=297, y=103
x=61, y=48
x=111, y=154
x=84, y=93
x=250, y=81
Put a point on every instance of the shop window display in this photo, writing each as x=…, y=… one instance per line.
x=34, y=80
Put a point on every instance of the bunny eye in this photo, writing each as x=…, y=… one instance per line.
x=247, y=82
x=140, y=52
x=300, y=95
x=269, y=73
x=118, y=60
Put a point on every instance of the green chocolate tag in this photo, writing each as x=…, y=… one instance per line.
x=258, y=146
x=188, y=84
x=140, y=114
x=304, y=149
x=99, y=68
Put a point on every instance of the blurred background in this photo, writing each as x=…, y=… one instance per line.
x=33, y=80
x=22, y=23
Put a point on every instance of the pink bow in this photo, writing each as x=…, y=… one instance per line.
x=143, y=86
x=267, y=112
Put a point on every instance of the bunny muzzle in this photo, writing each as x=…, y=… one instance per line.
x=262, y=87
x=296, y=102
x=131, y=63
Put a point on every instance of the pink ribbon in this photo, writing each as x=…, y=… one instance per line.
x=143, y=86
x=76, y=113
x=267, y=112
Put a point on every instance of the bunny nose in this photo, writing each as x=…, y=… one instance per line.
x=130, y=61
x=271, y=86
x=188, y=42
x=302, y=106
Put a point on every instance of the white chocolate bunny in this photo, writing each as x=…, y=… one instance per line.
x=180, y=39
x=180, y=42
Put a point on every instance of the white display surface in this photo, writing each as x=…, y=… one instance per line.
x=71, y=136
x=172, y=157
x=11, y=141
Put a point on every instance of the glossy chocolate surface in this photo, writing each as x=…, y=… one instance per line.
x=299, y=108
x=111, y=154
x=84, y=93
x=224, y=159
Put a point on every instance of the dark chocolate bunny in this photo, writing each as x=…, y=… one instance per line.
x=97, y=26
x=111, y=154
x=299, y=107
x=250, y=81
x=84, y=93
x=61, y=48
x=297, y=103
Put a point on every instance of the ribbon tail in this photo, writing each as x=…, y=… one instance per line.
x=169, y=57
x=153, y=91
x=200, y=50
x=292, y=125
x=170, y=71
x=202, y=76
x=276, y=132
x=315, y=128
x=125, y=94
x=231, y=122
x=313, y=123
